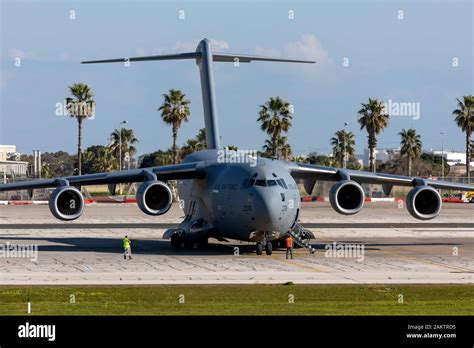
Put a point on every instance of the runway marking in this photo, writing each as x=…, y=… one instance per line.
x=294, y=263
x=464, y=270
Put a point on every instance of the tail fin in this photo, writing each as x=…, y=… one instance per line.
x=204, y=58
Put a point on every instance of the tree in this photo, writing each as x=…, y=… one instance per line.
x=410, y=146
x=201, y=137
x=343, y=144
x=465, y=120
x=275, y=117
x=423, y=166
x=300, y=159
x=193, y=145
x=374, y=119
x=155, y=159
x=59, y=164
x=322, y=160
x=98, y=159
x=285, y=148
x=175, y=111
x=127, y=138
x=437, y=162
x=81, y=107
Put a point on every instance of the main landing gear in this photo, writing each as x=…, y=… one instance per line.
x=268, y=248
x=177, y=241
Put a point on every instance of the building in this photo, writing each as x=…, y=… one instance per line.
x=452, y=157
x=381, y=155
x=9, y=168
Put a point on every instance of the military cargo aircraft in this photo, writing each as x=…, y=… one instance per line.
x=227, y=195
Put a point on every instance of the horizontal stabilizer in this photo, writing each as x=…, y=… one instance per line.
x=189, y=55
x=216, y=57
x=243, y=58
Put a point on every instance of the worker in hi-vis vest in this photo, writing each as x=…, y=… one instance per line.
x=127, y=247
x=289, y=246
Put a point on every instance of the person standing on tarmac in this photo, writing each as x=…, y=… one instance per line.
x=127, y=247
x=289, y=247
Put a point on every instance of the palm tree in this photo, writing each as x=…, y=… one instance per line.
x=174, y=111
x=81, y=107
x=201, y=137
x=127, y=138
x=374, y=119
x=99, y=158
x=195, y=144
x=192, y=145
x=465, y=120
x=285, y=148
x=343, y=144
x=275, y=117
x=410, y=146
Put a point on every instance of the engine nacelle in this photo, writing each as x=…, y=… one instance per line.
x=347, y=197
x=66, y=203
x=424, y=202
x=154, y=197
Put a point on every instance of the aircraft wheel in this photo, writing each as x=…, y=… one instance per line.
x=176, y=241
x=189, y=244
x=259, y=248
x=269, y=248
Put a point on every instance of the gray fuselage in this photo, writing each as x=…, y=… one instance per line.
x=251, y=200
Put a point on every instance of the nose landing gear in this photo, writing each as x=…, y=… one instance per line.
x=259, y=247
x=268, y=248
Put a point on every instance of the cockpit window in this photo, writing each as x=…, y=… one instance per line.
x=264, y=183
x=282, y=183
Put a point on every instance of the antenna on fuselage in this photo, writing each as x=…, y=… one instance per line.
x=204, y=58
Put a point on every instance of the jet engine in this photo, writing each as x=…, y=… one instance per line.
x=154, y=197
x=66, y=203
x=347, y=197
x=424, y=202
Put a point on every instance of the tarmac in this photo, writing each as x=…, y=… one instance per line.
x=382, y=244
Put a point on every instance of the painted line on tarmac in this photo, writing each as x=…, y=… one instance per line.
x=439, y=264
x=294, y=263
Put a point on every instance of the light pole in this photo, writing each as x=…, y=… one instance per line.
x=120, y=144
x=344, y=159
x=442, y=155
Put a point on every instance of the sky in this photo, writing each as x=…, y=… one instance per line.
x=414, y=52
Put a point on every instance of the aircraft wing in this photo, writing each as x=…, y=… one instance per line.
x=191, y=170
x=310, y=172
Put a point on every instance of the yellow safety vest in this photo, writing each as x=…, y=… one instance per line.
x=126, y=243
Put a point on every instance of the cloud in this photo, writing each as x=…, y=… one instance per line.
x=18, y=53
x=307, y=47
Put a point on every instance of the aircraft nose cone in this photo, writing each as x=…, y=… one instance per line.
x=267, y=207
